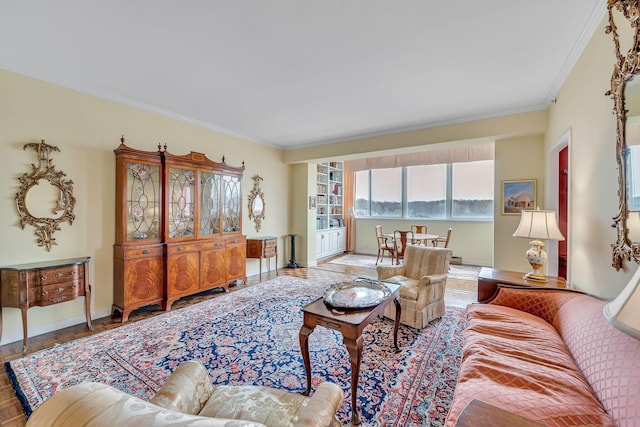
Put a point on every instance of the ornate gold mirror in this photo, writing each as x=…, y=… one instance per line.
x=256, y=203
x=626, y=47
x=45, y=199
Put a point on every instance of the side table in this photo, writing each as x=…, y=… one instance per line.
x=263, y=247
x=350, y=323
x=42, y=284
x=489, y=278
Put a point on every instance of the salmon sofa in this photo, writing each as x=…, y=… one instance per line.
x=548, y=356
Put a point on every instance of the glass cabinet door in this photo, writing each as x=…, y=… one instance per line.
x=143, y=201
x=181, y=202
x=210, y=203
x=231, y=220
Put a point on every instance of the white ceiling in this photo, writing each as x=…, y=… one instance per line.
x=295, y=73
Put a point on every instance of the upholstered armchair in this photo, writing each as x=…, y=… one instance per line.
x=188, y=398
x=423, y=277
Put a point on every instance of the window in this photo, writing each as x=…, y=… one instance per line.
x=386, y=194
x=441, y=191
x=362, y=193
x=427, y=191
x=472, y=189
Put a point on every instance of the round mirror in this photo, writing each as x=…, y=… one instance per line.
x=45, y=198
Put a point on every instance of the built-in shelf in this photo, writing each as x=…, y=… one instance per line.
x=331, y=232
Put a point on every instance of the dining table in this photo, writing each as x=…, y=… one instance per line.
x=417, y=237
x=404, y=236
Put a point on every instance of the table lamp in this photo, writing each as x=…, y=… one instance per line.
x=624, y=311
x=538, y=225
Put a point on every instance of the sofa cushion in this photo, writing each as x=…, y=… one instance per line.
x=608, y=358
x=263, y=405
x=518, y=362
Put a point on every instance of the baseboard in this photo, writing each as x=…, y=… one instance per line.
x=51, y=327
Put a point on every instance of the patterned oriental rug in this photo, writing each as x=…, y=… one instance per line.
x=250, y=336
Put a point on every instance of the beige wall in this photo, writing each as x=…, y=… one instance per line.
x=472, y=241
x=585, y=113
x=86, y=129
x=515, y=159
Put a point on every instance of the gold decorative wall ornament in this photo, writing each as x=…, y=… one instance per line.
x=45, y=206
x=256, y=202
x=626, y=67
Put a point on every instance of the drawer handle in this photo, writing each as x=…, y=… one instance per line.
x=58, y=290
x=45, y=293
x=218, y=244
x=74, y=286
x=331, y=325
x=180, y=248
x=43, y=277
x=235, y=240
x=146, y=252
x=57, y=275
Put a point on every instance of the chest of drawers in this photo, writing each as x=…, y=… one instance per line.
x=44, y=283
x=263, y=247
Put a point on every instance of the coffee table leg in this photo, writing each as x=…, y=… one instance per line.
x=305, y=331
x=396, y=324
x=355, y=354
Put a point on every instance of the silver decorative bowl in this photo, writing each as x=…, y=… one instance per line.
x=358, y=293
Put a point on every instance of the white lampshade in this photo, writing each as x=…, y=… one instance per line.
x=538, y=225
x=624, y=311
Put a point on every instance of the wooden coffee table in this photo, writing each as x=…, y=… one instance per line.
x=350, y=323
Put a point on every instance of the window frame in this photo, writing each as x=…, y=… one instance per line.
x=405, y=203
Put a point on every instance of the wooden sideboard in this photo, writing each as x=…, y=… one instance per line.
x=42, y=284
x=489, y=278
x=263, y=247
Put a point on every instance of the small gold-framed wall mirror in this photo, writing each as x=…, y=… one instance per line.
x=45, y=199
x=256, y=202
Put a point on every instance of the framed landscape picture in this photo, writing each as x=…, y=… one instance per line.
x=518, y=196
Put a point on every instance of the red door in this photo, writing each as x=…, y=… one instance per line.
x=563, y=197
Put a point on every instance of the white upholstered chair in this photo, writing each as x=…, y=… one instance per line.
x=188, y=398
x=423, y=277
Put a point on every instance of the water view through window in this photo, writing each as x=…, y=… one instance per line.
x=442, y=191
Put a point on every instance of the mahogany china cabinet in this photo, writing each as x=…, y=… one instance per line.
x=178, y=227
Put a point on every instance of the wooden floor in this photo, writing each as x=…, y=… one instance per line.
x=11, y=414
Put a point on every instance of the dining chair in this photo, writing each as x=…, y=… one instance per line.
x=401, y=239
x=383, y=245
x=419, y=229
x=444, y=240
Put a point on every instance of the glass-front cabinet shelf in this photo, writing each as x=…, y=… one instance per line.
x=231, y=203
x=143, y=201
x=181, y=204
x=210, y=203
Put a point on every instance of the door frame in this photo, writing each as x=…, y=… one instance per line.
x=551, y=201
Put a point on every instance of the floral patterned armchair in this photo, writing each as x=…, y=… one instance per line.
x=188, y=398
